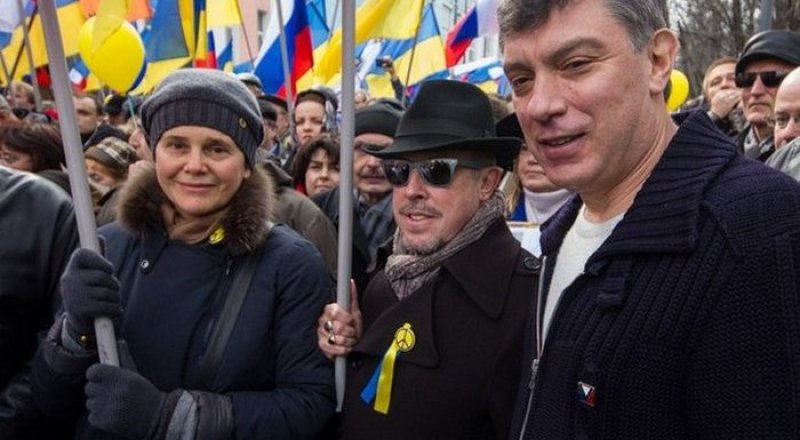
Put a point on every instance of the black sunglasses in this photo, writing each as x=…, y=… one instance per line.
x=769, y=79
x=435, y=172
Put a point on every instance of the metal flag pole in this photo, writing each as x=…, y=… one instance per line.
x=347, y=133
x=5, y=69
x=21, y=48
x=26, y=42
x=73, y=150
x=244, y=34
x=413, y=52
x=287, y=74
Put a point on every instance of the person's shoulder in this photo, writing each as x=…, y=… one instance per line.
x=750, y=195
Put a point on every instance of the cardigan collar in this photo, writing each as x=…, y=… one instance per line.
x=664, y=215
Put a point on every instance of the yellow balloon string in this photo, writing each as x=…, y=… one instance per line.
x=404, y=340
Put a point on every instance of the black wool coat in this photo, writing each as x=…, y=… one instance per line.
x=459, y=380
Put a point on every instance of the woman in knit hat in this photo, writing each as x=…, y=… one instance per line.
x=107, y=169
x=186, y=230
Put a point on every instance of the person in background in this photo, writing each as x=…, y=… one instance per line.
x=664, y=310
x=36, y=148
x=89, y=114
x=434, y=349
x=107, y=170
x=314, y=114
x=397, y=85
x=721, y=99
x=373, y=224
x=184, y=231
x=786, y=157
x=269, y=116
x=6, y=115
x=116, y=110
x=252, y=82
x=21, y=95
x=40, y=233
x=766, y=59
x=317, y=166
x=532, y=197
x=362, y=98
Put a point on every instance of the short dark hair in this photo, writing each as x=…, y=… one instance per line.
x=41, y=140
x=326, y=142
x=641, y=18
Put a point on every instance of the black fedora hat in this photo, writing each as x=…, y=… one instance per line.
x=450, y=115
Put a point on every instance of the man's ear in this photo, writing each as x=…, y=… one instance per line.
x=662, y=51
x=489, y=181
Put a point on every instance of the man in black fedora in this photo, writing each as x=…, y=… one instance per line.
x=434, y=349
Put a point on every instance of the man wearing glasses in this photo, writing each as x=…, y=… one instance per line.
x=765, y=61
x=435, y=348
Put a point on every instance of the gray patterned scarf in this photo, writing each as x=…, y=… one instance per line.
x=408, y=272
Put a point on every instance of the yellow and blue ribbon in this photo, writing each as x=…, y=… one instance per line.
x=379, y=386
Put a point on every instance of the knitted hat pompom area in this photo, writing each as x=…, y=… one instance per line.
x=205, y=98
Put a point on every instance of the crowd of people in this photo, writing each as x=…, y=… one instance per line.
x=662, y=300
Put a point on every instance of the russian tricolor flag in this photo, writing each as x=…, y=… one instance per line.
x=268, y=65
x=480, y=20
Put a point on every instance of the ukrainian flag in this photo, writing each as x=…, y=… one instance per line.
x=428, y=57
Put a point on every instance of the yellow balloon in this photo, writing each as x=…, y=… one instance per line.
x=679, y=90
x=118, y=61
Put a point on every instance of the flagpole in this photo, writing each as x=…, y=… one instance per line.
x=73, y=150
x=26, y=41
x=287, y=73
x=332, y=26
x=244, y=34
x=347, y=133
x=19, y=52
x=5, y=69
x=413, y=52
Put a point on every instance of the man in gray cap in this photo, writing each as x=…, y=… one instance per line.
x=765, y=60
x=375, y=126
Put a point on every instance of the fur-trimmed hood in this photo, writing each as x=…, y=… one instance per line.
x=246, y=224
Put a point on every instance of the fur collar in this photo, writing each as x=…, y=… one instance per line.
x=246, y=225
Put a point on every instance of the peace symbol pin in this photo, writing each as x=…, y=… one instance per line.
x=405, y=338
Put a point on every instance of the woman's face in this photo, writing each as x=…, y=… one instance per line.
x=199, y=169
x=322, y=173
x=101, y=174
x=16, y=159
x=309, y=118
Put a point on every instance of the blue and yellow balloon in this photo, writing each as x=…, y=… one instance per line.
x=679, y=90
x=114, y=54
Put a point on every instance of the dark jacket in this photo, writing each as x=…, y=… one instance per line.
x=301, y=214
x=279, y=383
x=459, y=380
x=378, y=218
x=39, y=235
x=686, y=321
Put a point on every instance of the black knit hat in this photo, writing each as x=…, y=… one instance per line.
x=206, y=98
x=377, y=118
x=780, y=45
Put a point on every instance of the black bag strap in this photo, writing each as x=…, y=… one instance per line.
x=209, y=364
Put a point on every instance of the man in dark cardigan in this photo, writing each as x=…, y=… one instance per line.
x=669, y=306
x=443, y=322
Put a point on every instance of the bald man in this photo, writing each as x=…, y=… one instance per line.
x=786, y=158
